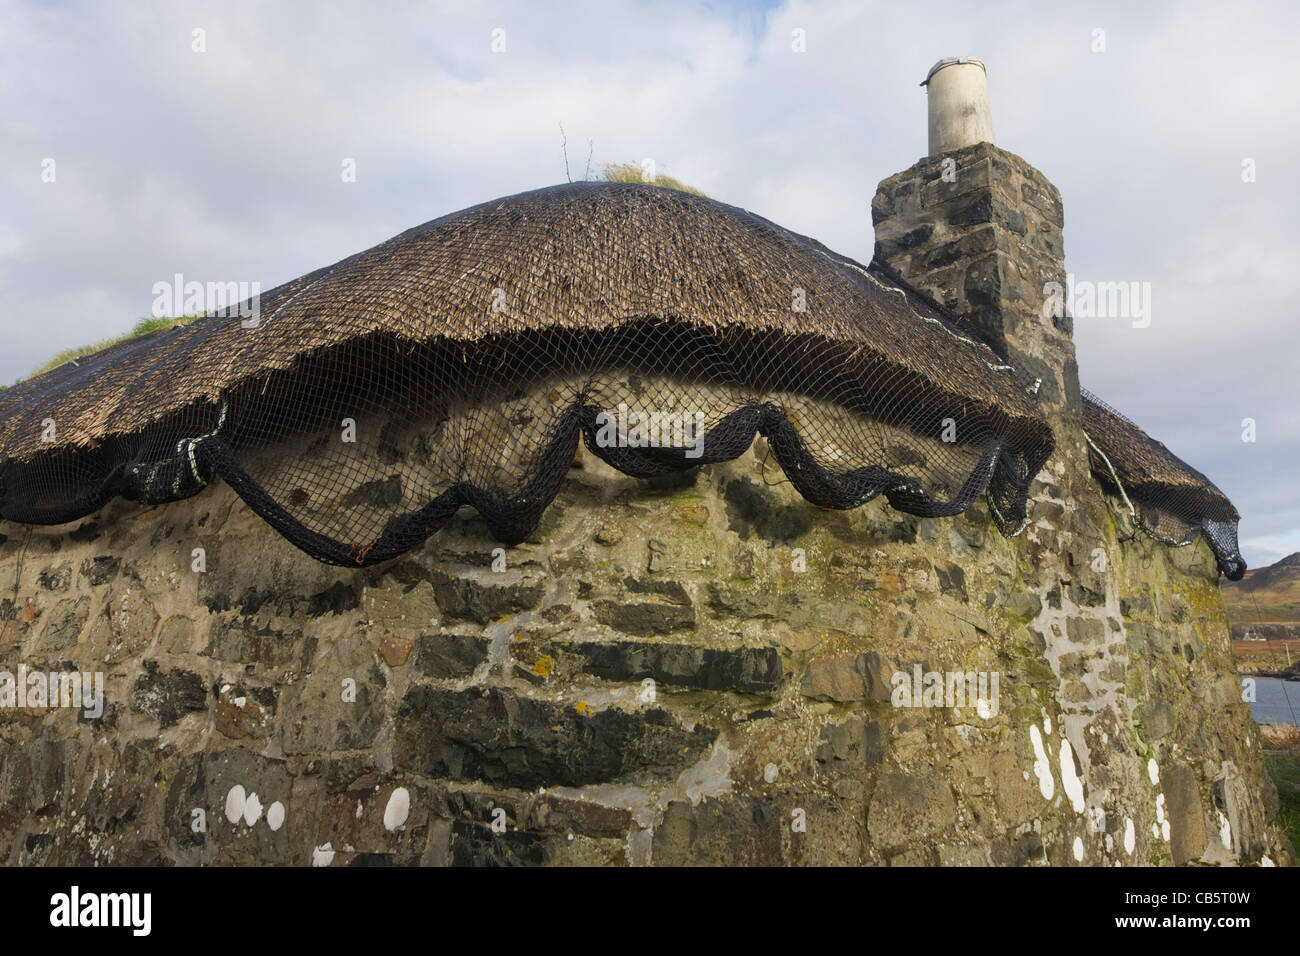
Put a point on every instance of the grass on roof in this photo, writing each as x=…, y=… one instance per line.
x=632, y=173
x=143, y=327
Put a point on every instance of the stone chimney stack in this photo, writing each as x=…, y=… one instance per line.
x=980, y=230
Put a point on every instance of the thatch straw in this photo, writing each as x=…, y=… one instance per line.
x=586, y=256
x=1150, y=472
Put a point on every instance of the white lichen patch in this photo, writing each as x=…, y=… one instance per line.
x=1153, y=771
x=1042, y=769
x=1070, y=781
x=1130, y=837
x=771, y=772
x=1265, y=861
x=398, y=809
x=1078, y=849
x=322, y=855
x=1225, y=831
x=1161, y=827
x=275, y=815
x=235, y=803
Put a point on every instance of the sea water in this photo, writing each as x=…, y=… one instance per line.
x=1276, y=701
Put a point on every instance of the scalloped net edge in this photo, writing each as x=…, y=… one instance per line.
x=358, y=453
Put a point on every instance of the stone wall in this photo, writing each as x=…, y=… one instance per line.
x=690, y=673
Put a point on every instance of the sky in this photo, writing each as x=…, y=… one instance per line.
x=226, y=163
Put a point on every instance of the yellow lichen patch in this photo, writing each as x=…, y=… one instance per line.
x=583, y=708
x=544, y=666
x=693, y=514
x=1206, y=601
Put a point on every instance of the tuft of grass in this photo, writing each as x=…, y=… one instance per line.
x=151, y=324
x=631, y=173
x=143, y=327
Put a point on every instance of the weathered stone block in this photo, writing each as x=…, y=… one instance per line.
x=1086, y=630
x=340, y=704
x=509, y=740
x=643, y=618
x=484, y=602
x=101, y=569
x=242, y=712
x=706, y=834
x=476, y=845
x=167, y=696
x=851, y=745
x=449, y=655
x=906, y=808
x=846, y=677
x=1186, y=817
x=1157, y=718
x=748, y=670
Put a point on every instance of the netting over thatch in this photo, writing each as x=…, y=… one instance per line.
x=462, y=361
x=1167, y=498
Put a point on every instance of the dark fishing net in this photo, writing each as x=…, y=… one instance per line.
x=462, y=362
x=1166, y=497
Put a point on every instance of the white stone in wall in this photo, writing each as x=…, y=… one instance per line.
x=1042, y=768
x=398, y=809
x=235, y=803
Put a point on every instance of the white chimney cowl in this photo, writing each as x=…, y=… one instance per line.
x=958, y=93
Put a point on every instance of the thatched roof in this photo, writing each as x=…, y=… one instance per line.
x=1170, y=499
x=582, y=256
x=507, y=289
x=1148, y=470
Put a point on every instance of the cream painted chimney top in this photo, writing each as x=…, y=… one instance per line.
x=958, y=93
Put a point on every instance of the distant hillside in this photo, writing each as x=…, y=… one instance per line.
x=1266, y=600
